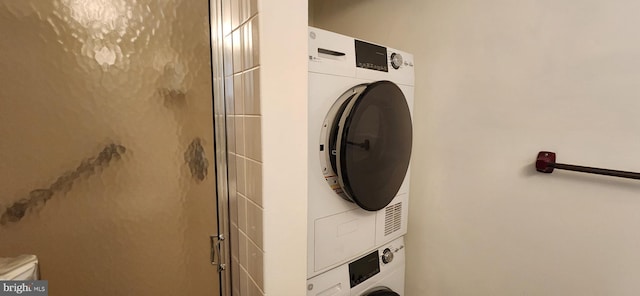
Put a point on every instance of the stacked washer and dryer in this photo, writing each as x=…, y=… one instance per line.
x=360, y=137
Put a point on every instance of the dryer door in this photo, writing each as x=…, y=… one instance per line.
x=381, y=292
x=369, y=140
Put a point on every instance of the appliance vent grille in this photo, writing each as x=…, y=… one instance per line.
x=392, y=219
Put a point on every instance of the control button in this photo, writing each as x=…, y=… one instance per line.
x=396, y=60
x=387, y=256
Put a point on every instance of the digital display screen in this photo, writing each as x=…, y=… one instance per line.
x=371, y=56
x=364, y=268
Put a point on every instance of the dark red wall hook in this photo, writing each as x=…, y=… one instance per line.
x=545, y=162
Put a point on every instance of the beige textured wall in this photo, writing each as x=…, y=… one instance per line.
x=283, y=89
x=497, y=81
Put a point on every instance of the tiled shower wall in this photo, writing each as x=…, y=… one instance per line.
x=242, y=96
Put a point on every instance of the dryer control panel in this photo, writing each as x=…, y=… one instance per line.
x=335, y=54
x=371, y=56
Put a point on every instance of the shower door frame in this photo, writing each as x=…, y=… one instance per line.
x=220, y=140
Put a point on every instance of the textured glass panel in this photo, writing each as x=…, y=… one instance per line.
x=106, y=157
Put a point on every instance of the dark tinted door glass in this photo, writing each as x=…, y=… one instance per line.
x=375, y=146
x=385, y=292
x=333, y=137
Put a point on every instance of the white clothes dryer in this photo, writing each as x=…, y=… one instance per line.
x=360, y=139
x=379, y=273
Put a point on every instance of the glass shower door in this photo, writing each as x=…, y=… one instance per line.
x=107, y=169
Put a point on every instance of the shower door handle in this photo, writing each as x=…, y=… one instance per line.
x=214, y=257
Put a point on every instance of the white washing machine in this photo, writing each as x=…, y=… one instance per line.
x=378, y=273
x=360, y=137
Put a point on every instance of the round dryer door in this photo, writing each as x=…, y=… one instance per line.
x=368, y=134
x=381, y=292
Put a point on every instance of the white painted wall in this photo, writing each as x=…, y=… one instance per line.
x=283, y=87
x=497, y=81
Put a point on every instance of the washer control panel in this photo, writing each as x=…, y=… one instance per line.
x=383, y=267
x=364, y=268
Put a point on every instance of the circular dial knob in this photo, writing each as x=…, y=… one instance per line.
x=396, y=60
x=387, y=256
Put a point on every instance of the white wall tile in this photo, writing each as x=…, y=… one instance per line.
x=242, y=213
x=252, y=92
x=235, y=276
x=241, y=175
x=255, y=41
x=247, y=54
x=253, y=289
x=242, y=93
x=254, y=181
x=246, y=7
x=231, y=126
x=235, y=244
x=228, y=94
x=254, y=223
x=253, y=137
x=242, y=13
x=253, y=7
x=239, y=135
x=233, y=199
x=256, y=266
x=226, y=17
x=244, y=279
x=235, y=14
x=228, y=55
x=237, y=51
x=242, y=249
x=238, y=94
